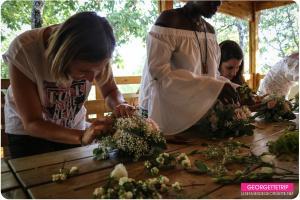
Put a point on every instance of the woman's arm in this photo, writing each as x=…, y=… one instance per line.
x=30, y=110
x=115, y=99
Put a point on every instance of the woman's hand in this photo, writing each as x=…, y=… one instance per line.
x=124, y=110
x=229, y=95
x=98, y=127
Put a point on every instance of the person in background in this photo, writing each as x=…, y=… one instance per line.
x=51, y=72
x=232, y=62
x=281, y=77
x=179, y=83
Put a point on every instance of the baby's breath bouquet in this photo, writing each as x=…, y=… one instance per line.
x=133, y=137
x=227, y=121
x=275, y=108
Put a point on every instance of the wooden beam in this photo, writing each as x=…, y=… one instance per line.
x=253, y=43
x=240, y=9
x=165, y=5
x=262, y=5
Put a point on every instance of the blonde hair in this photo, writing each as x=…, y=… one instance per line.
x=84, y=36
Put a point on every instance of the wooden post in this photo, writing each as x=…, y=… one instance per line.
x=253, y=42
x=165, y=5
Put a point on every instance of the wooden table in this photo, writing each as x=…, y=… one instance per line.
x=34, y=172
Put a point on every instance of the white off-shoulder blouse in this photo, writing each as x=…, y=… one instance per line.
x=173, y=89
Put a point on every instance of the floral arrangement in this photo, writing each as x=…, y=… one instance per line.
x=274, y=108
x=227, y=120
x=133, y=137
x=119, y=186
x=247, y=96
x=167, y=161
x=287, y=144
x=64, y=173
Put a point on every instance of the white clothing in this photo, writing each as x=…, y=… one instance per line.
x=281, y=77
x=173, y=89
x=61, y=105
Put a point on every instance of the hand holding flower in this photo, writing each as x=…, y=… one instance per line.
x=100, y=126
x=124, y=110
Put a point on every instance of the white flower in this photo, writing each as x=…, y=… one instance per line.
x=63, y=177
x=147, y=164
x=98, y=192
x=55, y=177
x=176, y=186
x=238, y=173
x=165, y=155
x=269, y=159
x=128, y=195
x=73, y=170
x=154, y=170
x=163, y=179
x=266, y=170
x=160, y=160
x=125, y=180
x=181, y=157
x=186, y=163
x=119, y=171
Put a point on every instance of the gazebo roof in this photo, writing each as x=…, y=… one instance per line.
x=247, y=9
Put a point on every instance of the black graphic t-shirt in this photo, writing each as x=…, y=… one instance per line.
x=62, y=104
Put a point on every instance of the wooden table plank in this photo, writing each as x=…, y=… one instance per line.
x=15, y=194
x=8, y=181
x=26, y=163
x=234, y=192
x=84, y=185
x=29, y=178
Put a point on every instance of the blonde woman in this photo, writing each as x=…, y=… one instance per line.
x=51, y=73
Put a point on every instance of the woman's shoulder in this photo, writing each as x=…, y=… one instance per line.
x=173, y=18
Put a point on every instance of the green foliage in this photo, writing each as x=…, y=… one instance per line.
x=288, y=143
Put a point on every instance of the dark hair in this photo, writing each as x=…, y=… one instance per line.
x=231, y=50
x=84, y=36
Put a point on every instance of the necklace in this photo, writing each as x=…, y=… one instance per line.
x=200, y=23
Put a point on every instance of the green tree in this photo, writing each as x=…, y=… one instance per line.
x=278, y=33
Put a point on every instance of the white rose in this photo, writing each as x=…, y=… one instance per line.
x=98, y=191
x=128, y=195
x=176, y=186
x=268, y=159
x=73, y=170
x=266, y=170
x=119, y=172
x=186, y=163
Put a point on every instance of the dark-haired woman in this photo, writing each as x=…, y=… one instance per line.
x=232, y=62
x=51, y=73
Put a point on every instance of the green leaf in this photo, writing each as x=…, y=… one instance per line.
x=201, y=166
